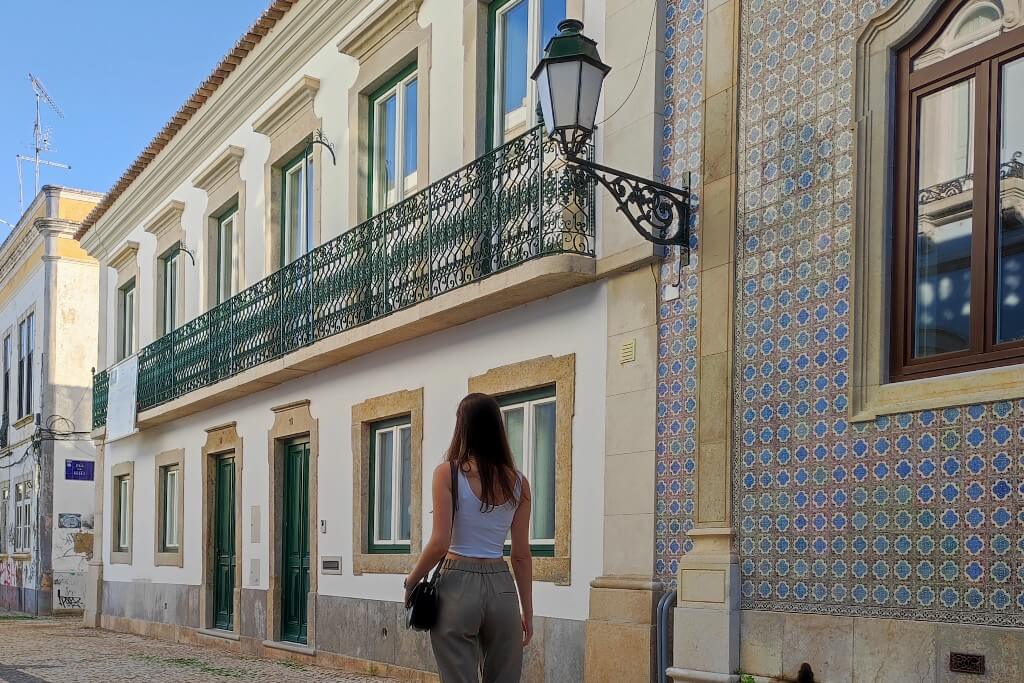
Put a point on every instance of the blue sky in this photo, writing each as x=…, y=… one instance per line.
x=118, y=68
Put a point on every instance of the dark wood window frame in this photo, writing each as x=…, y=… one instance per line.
x=982, y=63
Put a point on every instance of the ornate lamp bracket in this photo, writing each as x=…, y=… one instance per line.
x=317, y=137
x=660, y=213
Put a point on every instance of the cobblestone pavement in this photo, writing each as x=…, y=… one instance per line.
x=62, y=651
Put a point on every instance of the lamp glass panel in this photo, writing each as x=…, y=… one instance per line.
x=564, y=82
x=591, y=80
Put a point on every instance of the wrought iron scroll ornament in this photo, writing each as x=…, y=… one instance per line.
x=660, y=213
x=317, y=137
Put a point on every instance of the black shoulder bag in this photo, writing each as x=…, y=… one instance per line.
x=424, y=605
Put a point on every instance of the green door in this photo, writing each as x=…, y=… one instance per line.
x=224, y=545
x=295, y=545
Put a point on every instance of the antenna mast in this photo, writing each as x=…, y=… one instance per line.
x=40, y=140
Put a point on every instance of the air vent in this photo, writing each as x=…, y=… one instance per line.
x=963, y=663
x=330, y=565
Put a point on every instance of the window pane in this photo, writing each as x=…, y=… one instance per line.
x=542, y=479
x=514, y=430
x=514, y=47
x=171, y=508
x=294, y=213
x=942, y=276
x=1009, y=306
x=409, y=136
x=225, y=265
x=387, y=186
x=552, y=12
x=385, y=459
x=122, y=513
x=405, y=506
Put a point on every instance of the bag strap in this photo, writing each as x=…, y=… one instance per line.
x=455, y=506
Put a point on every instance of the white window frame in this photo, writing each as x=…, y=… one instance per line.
x=396, y=484
x=5, y=501
x=126, y=319
x=169, y=263
x=299, y=166
x=170, y=532
x=23, y=492
x=403, y=186
x=529, y=456
x=535, y=48
x=227, y=269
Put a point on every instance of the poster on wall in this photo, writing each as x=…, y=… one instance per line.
x=121, y=399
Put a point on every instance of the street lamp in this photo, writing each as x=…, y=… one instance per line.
x=569, y=80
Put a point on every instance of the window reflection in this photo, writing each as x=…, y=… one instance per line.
x=1009, y=307
x=942, y=315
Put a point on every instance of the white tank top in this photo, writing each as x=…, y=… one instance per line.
x=481, y=534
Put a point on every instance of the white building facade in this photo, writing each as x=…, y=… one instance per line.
x=350, y=226
x=48, y=324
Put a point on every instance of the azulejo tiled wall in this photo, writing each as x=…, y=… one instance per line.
x=677, y=331
x=914, y=516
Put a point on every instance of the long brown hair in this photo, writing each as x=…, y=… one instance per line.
x=480, y=435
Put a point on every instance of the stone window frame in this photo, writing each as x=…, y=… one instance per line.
x=387, y=43
x=476, y=73
x=123, y=469
x=220, y=441
x=125, y=262
x=24, y=385
x=288, y=123
x=291, y=421
x=534, y=374
x=166, y=227
x=161, y=556
x=872, y=393
x=364, y=416
x=225, y=188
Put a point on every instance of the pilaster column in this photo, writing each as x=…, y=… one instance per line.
x=94, y=583
x=706, y=628
x=621, y=625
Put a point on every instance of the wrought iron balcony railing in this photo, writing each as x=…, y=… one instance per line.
x=516, y=203
x=100, y=384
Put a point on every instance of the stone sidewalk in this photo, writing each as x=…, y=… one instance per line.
x=63, y=651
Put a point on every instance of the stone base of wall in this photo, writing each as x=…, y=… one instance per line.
x=773, y=645
x=363, y=636
x=26, y=600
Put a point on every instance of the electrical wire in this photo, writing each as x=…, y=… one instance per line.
x=640, y=70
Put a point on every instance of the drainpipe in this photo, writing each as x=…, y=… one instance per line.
x=665, y=605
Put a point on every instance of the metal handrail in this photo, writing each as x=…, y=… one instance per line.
x=517, y=202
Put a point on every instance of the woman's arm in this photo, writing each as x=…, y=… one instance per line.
x=522, y=560
x=441, y=533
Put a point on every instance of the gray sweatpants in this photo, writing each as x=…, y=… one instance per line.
x=479, y=629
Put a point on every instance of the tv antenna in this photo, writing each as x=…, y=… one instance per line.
x=41, y=140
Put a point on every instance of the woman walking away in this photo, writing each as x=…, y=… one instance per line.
x=482, y=627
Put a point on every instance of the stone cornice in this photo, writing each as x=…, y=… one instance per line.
x=167, y=220
x=220, y=169
x=378, y=28
x=298, y=97
x=298, y=37
x=124, y=256
x=56, y=227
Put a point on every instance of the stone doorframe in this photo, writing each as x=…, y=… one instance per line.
x=291, y=421
x=220, y=441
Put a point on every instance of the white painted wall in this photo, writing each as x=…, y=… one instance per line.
x=572, y=322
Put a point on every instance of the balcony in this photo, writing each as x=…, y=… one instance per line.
x=517, y=203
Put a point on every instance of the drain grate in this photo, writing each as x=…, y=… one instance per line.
x=963, y=663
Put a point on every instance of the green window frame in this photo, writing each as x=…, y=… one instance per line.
x=170, y=492
x=26, y=356
x=390, y=487
x=541, y=18
x=403, y=91
x=530, y=424
x=169, y=297
x=296, y=207
x=227, y=255
x=126, y=320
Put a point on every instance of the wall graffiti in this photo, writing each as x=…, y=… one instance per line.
x=69, y=590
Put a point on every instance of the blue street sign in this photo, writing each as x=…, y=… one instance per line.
x=79, y=470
